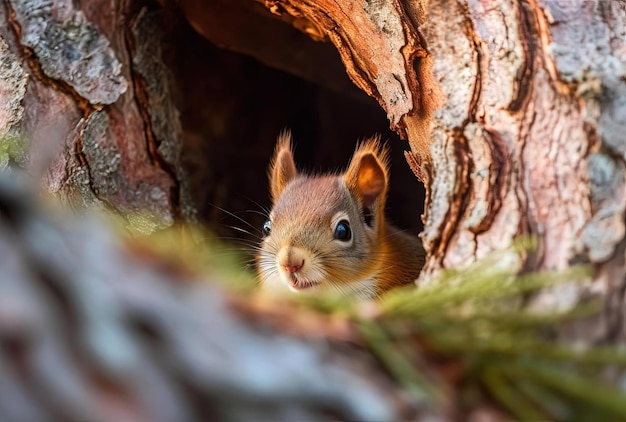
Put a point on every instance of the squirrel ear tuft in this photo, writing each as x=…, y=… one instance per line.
x=282, y=168
x=367, y=175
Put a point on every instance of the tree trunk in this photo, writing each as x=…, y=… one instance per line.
x=514, y=112
x=523, y=105
x=97, y=109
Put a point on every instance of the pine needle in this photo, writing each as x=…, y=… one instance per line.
x=518, y=405
x=420, y=388
x=568, y=383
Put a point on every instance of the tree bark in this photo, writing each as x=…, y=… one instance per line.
x=515, y=116
x=94, y=329
x=514, y=111
x=98, y=110
x=530, y=141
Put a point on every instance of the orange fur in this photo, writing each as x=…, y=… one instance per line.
x=283, y=168
x=307, y=246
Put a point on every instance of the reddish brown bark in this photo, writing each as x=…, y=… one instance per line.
x=529, y=138
x=383, y=53
x=514, y=112
x=527, y=142
x=88, y=115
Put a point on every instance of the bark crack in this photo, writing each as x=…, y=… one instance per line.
x=499, y=179
x=526, y=71
x=140, y=92
x=30, y=57
x=85, y=107
x=478, y=85
x=460, y=197
x=82, y=159
x=524, y=88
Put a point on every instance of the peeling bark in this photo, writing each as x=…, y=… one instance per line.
x=384, y=56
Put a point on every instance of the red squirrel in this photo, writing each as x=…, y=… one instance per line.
x=329, y=231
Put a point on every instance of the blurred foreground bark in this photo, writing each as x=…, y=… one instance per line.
x=91, y=332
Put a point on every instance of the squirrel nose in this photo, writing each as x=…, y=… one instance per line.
x=293, y=268
x=291, y=259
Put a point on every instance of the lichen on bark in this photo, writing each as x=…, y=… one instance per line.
x=70, y=49
x=13, y=81
x=589, y=51
x=111, y=183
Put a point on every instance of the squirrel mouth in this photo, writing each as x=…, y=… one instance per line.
x=298, y=284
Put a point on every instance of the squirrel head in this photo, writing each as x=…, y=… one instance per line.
x=326, y=230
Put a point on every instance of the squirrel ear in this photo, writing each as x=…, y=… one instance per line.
x=368, y=172
x=282, y=168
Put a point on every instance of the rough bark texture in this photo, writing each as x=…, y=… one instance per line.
x=515, y=113
x=92, y=329
x=530, y=139
x=94, y=110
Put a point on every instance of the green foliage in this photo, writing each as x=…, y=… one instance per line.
x=475, y=320
x=190, y=248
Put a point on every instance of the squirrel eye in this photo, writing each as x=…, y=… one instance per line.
x=267, y=228
x=342, y=231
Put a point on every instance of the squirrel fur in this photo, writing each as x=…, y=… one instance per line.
x=329, y=231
